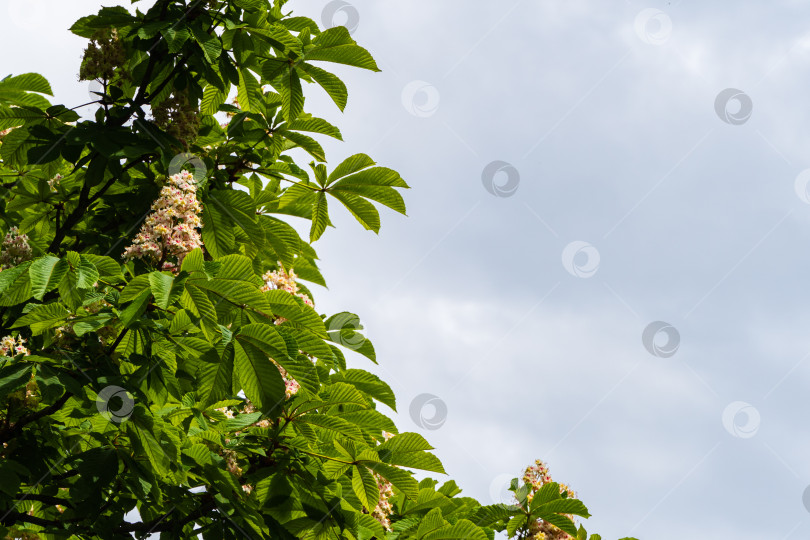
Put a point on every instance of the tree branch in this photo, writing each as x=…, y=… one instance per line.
x=11, y=432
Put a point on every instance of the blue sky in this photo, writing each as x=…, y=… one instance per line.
x=607, y=113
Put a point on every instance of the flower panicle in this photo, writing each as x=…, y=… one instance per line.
x=171, y=230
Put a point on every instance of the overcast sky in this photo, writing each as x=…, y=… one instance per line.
x=650, y=177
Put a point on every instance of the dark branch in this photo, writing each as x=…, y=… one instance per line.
x=11, y=432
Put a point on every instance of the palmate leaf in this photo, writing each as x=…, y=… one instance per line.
x=354, y=183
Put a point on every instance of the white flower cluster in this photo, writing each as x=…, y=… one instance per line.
x=171, y=230
x=15, y=249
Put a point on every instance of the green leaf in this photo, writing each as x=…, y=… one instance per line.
x=86, y=273
x=150, y=447
x=43, y=317
x=14, y=375
x=462, y=529
x=283, y=239
x=137, y=308
x=400, y=478
x=369, y=384
x=27, y=82
x=292, y=96
x=240, y=209
x=315, y=125
x=362, y=210
x=487, y=516
x=106, y=266
x=264, y=338
x=336, y=45
x=15, y=285
x=214, y=375
x=333, y=86
x=209, y=43
x=547, y=493
x=406, y=442
x=163, y=289
x=320, y=217
x=46, y=273
x=16, y=116
x=343, y=329
x=217, y=231
x=350, y=165
x=518, y=521
x=272, y=68
x=561, y=522
x=310, y=145
x=365, y=487
x=248, y=92
x=431, y=521
x=259, y=378
x=562, y=506
x=332, y=426
x=213, y=97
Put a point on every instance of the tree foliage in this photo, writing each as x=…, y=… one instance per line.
x=192, y=379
